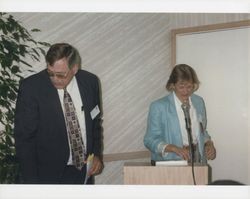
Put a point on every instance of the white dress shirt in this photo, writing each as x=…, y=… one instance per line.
x=74, y=92
x=194, y=121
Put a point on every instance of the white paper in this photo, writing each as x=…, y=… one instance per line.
x=88, y=167
x=171, y=163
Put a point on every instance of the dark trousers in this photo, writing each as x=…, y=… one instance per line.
x=72, y=175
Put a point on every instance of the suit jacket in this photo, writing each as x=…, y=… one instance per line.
x=163, y=127
x=40, y=130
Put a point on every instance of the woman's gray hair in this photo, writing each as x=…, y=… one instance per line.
x=182, y=72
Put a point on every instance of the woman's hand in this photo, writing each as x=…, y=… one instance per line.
x=182, y=152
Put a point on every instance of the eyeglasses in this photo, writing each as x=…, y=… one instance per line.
x=58, y=75
x=184, y=85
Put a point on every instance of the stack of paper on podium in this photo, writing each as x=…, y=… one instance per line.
x=171, y=163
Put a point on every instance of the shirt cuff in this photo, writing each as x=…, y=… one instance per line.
x=161, y=148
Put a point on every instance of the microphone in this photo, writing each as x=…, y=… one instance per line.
x=186, y=107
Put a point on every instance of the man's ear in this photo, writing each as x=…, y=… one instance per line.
x=75, y=68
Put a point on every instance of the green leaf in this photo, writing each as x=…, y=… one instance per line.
x=35, y=51
x=35, y=58
x=5, y=73
x=44, y=44
x=35, y=30
x=3, y=92
x=7, y=62
x=42, y=51
x=15, y=69
x=8, y=141
x=12, y=96
x=2, y=13
x=22, y=50
x=16, y=36
x=4, y=29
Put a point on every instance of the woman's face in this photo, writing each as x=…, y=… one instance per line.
x=183, y=89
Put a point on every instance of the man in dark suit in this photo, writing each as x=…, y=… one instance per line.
x=42, y=137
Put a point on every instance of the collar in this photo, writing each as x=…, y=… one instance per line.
x=178, y=102
x=71, y=84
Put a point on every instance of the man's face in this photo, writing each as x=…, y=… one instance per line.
x=60, y=74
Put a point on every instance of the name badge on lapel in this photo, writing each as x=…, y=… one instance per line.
x=95, y=112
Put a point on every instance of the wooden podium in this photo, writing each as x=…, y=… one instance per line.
x=141, y=173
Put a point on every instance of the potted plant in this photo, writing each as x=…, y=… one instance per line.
x=16, y=46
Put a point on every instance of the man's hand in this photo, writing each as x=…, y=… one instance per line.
x=97, y=166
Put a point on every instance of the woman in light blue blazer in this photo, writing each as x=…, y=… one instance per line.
x=166, y=136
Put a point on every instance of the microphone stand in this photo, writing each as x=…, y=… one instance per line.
x=190, y=141
x=191, y=151
x=185, y=108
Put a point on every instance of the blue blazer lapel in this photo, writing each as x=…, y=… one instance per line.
x=198, y=109
x=172, y=108
x=176, y=134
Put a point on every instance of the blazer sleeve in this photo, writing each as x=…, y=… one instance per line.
x=153, y=138
x=25, y=128
x=97, y=127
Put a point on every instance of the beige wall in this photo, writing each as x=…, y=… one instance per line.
x=131, y=55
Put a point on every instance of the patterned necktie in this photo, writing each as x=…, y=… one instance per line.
x=74, y=132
